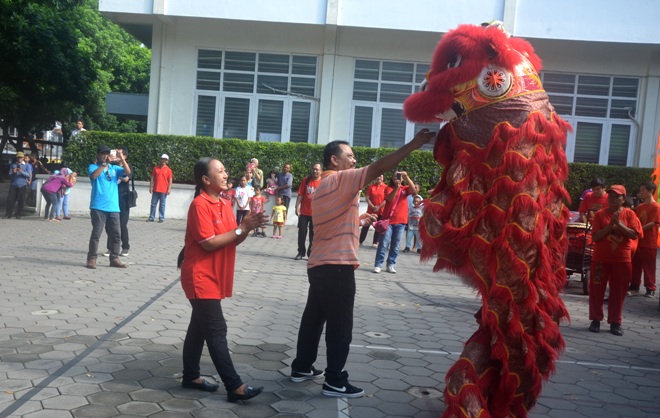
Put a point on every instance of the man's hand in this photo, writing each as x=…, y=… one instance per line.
x=368, y=218
x=423, y=137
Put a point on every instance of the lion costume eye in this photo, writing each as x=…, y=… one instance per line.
x=454, y=62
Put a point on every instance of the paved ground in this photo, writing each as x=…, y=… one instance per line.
x=81, y=343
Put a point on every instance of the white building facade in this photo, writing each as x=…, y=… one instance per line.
x=318, y=70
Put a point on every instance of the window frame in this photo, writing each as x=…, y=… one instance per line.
x=607, y=121
x=255, y=97
x=378, y=106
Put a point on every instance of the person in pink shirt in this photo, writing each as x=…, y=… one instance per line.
x=331, y=266
x=50, y=191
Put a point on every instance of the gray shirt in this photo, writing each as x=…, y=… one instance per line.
x=283, y=179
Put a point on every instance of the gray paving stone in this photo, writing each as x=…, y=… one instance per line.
x=48, y=414
x=138, y=408
x=180, y=405
x=424, y=314
x=94, y=411
x=109, y=398
x=64, y=402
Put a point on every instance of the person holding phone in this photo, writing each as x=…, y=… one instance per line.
x=104, y=204
x=397, y=209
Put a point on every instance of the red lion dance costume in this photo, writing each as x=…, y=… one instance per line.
x=497, y=217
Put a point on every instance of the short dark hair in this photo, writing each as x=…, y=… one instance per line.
x=124, y=150
x=332, y=148
x=598, y=181
x=650, y=186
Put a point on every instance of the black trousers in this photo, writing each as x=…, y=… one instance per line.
x=16, y=195
x=207, y=323
x=124, y=214
x=305, y=223
x=330, y=302
x=109, y=221
x=240, y=214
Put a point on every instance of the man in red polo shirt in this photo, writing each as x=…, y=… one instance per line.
x=304, y=209
x=160, y=187
x=644, y=259
x=593, y=201
x=613, y=230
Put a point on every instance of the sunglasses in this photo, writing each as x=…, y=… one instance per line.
x=107, y=175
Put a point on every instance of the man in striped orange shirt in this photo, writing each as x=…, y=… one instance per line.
x=331, y=266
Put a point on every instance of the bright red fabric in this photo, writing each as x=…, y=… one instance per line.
x=208, y=274
x=400, y=215
x=614, y=248
x=306, y=190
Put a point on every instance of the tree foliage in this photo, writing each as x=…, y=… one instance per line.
x=60, y=58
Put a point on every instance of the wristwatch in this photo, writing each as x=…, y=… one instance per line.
x=238, y=232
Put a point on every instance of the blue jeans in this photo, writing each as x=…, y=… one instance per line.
x=155, y=198
x=65, y=205
x=409, y=239
x=392, y=240
x=60, y=203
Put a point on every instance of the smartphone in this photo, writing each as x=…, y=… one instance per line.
x=398, y=176
x=113, y=152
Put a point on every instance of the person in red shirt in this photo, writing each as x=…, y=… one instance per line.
x=396, y=208
x=304, y=209
x=593, y=201
x=644, y=258
x=375, y=197
x=207, y=276
x=614, y=228
x=160, y=187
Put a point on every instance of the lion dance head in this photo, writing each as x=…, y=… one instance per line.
x=497, y=217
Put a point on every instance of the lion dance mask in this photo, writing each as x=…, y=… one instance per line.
x=497, y=217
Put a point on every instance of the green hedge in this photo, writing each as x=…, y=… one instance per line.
x=145, y=151
x=581, y=174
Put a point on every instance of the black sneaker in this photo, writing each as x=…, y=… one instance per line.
x=302, y=376
x=615, y=329
x=649, y=293
x=345, y=391
x=595, y=326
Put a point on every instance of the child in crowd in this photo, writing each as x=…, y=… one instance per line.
x=271, y=184
x=249, y=179
x=278, y=217
x=414, y=215
x=257, y=206
x=230, y=193
x=244, y=192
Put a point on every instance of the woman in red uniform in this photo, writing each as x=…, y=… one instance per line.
x=614, y=228
x=207, y=277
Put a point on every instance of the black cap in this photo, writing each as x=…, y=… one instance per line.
x=103, y=149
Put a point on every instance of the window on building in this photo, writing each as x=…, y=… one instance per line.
x=379, y=90
x=257, y=96
x=600, y=109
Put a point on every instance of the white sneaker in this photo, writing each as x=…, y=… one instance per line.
x=106, y=254
x=390, y=269
x=376, y=269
